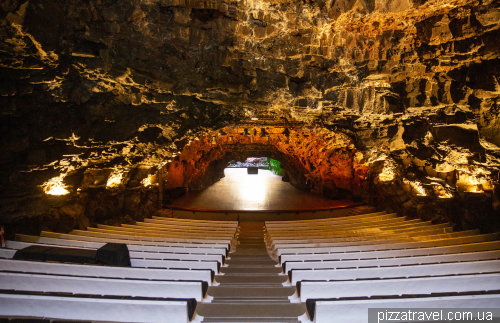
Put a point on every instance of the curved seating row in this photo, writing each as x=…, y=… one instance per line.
x=171, y=271
x=343, y=266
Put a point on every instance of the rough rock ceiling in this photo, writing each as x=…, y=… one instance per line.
x=103, y=83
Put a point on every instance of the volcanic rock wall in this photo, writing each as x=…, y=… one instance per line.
x=105, y=86
x=315, y=159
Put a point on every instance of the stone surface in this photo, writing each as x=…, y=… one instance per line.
x=92, y=86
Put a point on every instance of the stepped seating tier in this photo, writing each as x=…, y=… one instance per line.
x=171, y=273
x=493, y=254
x=343, y=266
x=305, y=270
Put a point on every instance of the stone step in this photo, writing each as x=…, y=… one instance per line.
x=250, y=269
x=244, y=301
x=251, y=279
x=251, y=292
x=250, y=320
x=262, y=312
x=241, y=257
x=237, y=263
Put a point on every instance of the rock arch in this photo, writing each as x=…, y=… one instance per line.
x=320, y=160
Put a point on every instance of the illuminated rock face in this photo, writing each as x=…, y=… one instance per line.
x=319, y=160
x=105, y=85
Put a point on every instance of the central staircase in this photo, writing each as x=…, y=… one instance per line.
x=250, y=289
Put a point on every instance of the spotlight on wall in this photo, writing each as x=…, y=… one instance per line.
x=214, y=142
x=286, y=132
x=230, y=139
x=222, y=133
x=251, y=139
x=263, y=132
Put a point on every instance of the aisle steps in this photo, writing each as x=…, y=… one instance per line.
x=251, y=288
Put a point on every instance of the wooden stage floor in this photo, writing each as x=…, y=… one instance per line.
x=265, y=191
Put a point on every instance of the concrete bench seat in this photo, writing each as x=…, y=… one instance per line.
x=473, y=267
x=406, y=286
x=379, y=220
x=37, y=267
x=103, y=286
x=476, y=255
x=165, y=264
x=157, y=233
x=379, y=226
x=176, y=264
x=365, y=240
x=312, y=221
x=369, y=251
x=7, y=253
x=167, y=232
x=98, y=309
x=316, y=234
x=134, y=235
x=352, y=245
x=139, y=248
x=451, y=248
x=418, y=232
x=147, y=238
x=232, y=224
x=190, y=227
x=355, y=311
x=150, y=244
x=462, y=237
x=137, y=254
x=382, y=226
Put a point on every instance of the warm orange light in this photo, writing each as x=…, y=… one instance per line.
x=148, y=181
x=115, y=179
x=55, y=186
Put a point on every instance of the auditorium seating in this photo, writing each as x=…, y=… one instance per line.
x=327, y=269
x=343, y=266
x=170, y=273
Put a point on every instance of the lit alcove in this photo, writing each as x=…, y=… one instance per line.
x=239, y=190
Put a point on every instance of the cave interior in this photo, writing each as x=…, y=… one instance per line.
x=112, y=110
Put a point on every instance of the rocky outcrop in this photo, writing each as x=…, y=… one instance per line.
x=90, y=86
x=315, y=159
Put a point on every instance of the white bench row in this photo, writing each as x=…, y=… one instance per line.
x=384, y=226
x=473, y=267
x=358, y=234
x=153, y=263
x=166, y=232
x=45, y=234
x=232, y=224
x=352, y=251
x=389, y=287
x=484, y=251
x=366, y=241
x=133, y=254
x=398, y=225
x=385, y=220
x=103, y=286
x=150, y=238
x=97, y=309
x=186, y=249
x=352, y=218
x=166, y=226
x=384, y=254
x=334, y=241
x=51, y=268
x=356, y=311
